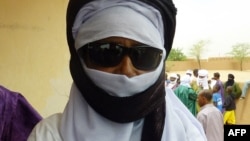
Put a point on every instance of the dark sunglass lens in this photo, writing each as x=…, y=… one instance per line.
x=105, y=55
x=146, y=58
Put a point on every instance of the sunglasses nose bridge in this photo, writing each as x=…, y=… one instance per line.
x=126, y=66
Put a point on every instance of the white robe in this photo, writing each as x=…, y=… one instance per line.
x=180, y=124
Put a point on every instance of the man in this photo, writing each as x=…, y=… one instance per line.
x=210, y=117
x=186, y=94
x=236, y=90
x=173, y=81
x=217, y=100
x=118, y=51
x=189, y=72
x=202, y=80
x=220, y=84
x=230, y=107
x=245, y=89
x=194, y=84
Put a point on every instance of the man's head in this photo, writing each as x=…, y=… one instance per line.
x=185, y=80
x=166, y=8
x=195, y=72
x=216, y=76
x=115, y=39
x=202, y=73
x=173, y=78
x=230, y=76
x=202, y=79
x=189, y=72
x=204, y=97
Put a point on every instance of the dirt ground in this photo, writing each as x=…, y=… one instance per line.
x=243, y=106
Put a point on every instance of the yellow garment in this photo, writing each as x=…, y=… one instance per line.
x=194, y=86
x=229, y=117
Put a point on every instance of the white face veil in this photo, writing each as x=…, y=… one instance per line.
x=123, y=17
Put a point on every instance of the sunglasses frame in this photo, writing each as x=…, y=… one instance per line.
x=90, y=51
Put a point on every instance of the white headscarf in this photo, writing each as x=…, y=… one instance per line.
x=119, y=18
x=203, y=82
x=185, y=80
x=172, y=83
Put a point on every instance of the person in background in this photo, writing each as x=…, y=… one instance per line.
x=17, y=116
x=194, y=83
x=210, y=117
x=230, y=107
x=245, y=89
x=220, y=84
x=166, y=79
x=212, y=82
x=118, y=51
x=173, y=81
x=202, y=80
x=202, y=83
x=189, y=73
x=217, y=100
x=195, y=72
x=186, y=94
x=235, y=86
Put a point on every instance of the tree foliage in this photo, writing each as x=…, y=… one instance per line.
x=176, y=54
x=197, y=49
x=240, y=51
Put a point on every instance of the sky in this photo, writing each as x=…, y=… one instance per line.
x=223, y=23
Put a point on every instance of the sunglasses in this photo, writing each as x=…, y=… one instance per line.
x=143, y=57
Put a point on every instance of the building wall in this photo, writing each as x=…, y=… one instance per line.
x=33, y=52
x=219, y=63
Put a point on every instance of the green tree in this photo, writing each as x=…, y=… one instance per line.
x=197, y=49
x=176, y=54
x=240, y=51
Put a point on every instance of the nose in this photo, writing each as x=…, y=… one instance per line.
x=126, y=67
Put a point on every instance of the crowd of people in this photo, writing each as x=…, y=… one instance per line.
x=199, y=80
x=211, y=100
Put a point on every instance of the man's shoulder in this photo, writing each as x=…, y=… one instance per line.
x=52, y=120
x=47, y=129
x=50, y=123
x=208, y=107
